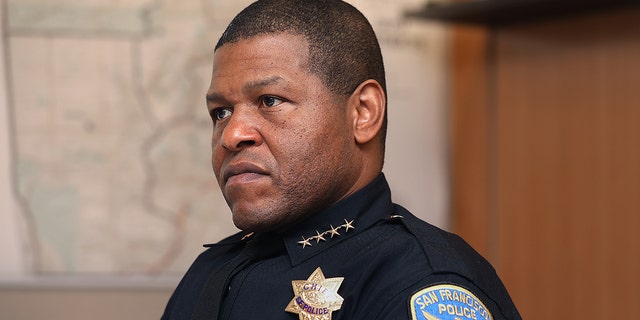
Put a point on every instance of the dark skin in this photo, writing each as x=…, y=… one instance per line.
x=284, y=146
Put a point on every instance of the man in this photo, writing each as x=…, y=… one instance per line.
x=298, y=104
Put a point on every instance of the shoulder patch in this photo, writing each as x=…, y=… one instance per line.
x=447, y=302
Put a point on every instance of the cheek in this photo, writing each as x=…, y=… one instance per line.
x=316, y=149
x=216, y=155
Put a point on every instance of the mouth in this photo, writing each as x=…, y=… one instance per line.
x=243, y=171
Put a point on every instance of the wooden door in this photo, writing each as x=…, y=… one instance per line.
x=546, y=149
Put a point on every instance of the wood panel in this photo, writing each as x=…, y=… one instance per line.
x=469, y=136
x=566, y=197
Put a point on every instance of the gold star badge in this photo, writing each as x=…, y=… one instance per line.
x=315, y=298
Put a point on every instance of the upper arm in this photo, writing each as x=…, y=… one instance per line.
x=445, y=296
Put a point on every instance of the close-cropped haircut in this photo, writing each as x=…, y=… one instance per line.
x=343, y=48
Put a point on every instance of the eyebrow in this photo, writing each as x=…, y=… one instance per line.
x=213, y=96
x=262, y=83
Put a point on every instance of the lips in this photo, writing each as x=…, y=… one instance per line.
x=242, y=169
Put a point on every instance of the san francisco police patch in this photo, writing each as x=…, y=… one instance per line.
x=447, y=302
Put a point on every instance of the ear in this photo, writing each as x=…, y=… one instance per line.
x=367, y=106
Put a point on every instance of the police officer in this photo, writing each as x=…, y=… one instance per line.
x=298, y=106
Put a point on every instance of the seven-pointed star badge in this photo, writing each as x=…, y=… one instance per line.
x=315, y=298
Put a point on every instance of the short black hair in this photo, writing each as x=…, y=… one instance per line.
x=343, y=48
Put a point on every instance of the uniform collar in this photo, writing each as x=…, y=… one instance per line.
x=339, y=222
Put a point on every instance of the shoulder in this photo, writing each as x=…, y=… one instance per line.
x=182, y=301
x=446, y=252
x=404, y=238
x=456, y=271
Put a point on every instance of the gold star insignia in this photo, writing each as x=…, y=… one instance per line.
x=305, y=242
x=348, y=225
x=315, y=298
x=319, y=236
x=333, y=231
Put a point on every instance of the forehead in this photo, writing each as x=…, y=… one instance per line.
x=280, y=53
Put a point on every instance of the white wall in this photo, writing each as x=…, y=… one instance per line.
x=10, y=226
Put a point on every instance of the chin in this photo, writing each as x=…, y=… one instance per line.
x=263, y=217
x=253, y=222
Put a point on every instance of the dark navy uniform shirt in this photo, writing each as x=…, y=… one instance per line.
x=393, y=265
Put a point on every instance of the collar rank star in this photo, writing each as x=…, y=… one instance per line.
x=315, y=298
x=331, y=232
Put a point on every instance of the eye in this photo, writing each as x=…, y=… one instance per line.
x=271, y=101
x=218, y=114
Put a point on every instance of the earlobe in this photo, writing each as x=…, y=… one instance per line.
x=368, y=106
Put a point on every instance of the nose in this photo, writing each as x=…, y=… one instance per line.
x=240, y=131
